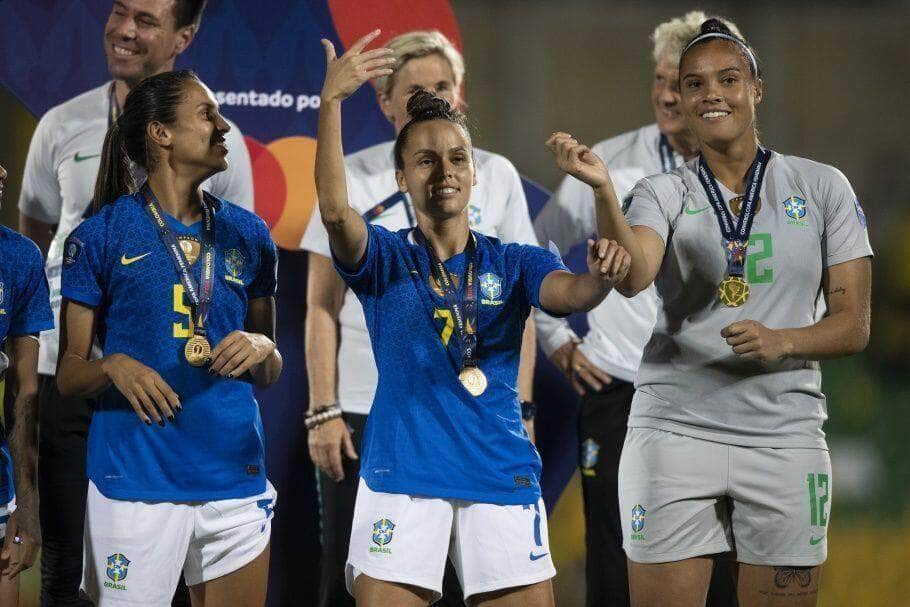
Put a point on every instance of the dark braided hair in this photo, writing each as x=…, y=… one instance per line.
x=424, y=106
x=715, y=29
x=155, y=99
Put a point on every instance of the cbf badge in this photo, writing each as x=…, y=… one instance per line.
x=233, y=263
x=490, y=289
x=795, y=208
x=72, y=248
x=383, y=531
x=589, y=452
x=117, y=568
x=638, y=522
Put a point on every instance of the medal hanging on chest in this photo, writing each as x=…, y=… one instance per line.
x=733, y=290
x=197, y=349
x=463, y=311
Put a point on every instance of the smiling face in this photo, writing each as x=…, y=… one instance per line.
x=438, y=169
x=140, y=39
x=195, y=141
x=719, y=93
x=431, y=73
x=666, y=101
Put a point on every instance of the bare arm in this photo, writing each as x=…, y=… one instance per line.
x=526, y=361
x=23, y=446
x=843, y=331
x=344, y=75
x=38, y=231
x=644, y=246
x=77, y=376
x=562, y=292
x=325, y=295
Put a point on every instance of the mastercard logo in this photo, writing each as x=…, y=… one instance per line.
x=284, y=187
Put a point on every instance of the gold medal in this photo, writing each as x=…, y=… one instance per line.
x=197, y=350
x=473, y=380
x=733, y=291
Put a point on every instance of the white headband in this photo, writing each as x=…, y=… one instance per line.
x=733, y=39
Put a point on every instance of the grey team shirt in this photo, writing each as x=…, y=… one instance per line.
x=59, y=181
x=690, y=381
x=619, y=327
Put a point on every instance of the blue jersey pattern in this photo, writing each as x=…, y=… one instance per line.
x=426, y=435
x=24, y=310
x=116, y=263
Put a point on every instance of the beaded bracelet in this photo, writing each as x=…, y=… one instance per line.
x=320, y=416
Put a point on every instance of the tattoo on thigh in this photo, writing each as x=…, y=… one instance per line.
x=784, y=576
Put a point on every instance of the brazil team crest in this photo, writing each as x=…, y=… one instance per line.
x=233, y=264
x=638, y=522
x=589, y=452
x=491, y=289
x=117, y=568
x=474, y=217
x=383, y=532
x=795, y=207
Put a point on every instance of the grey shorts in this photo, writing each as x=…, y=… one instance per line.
x=682, y=497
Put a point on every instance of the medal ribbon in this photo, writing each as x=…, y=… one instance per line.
x=736, y=237
x=667, y=157
x=464, y=311
x=200, y=299
x=385, y=205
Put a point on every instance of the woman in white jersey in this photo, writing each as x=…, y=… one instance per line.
x=725, y=451
x=340, y=363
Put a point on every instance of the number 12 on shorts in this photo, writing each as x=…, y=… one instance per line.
x=817, y=500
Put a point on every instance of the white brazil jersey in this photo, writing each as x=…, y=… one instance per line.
x=59, y=182
x=498, y=208
x=619, y=326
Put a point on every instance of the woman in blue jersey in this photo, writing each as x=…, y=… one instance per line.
x=178, y=288
x=725, y=452
x=447, y=470
x=24, y=311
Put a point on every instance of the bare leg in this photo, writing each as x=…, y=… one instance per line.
x=678, y=584
x=534, y=595
x=766, y=586
x=9, y=590
x=245, y=587
x=370, y=592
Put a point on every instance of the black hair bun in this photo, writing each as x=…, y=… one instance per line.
x=424, y=104
x=715, y=26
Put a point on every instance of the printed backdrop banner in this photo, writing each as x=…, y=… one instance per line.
x=265, y=63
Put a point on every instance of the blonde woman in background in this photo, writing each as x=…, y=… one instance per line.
x=340, y=366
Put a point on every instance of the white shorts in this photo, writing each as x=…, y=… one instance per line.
x=135, y=551
x=682, y=497
x=405, y=539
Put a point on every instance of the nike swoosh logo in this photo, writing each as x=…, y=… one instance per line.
x=128, y=260
x=535, y=557
x=695, y=212
x=815, y=540
x=78, y=158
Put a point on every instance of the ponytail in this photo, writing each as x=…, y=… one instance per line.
x=115, y=177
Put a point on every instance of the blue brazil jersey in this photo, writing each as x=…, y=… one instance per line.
x=24, y=310
x=116, y=263
x=426, y=435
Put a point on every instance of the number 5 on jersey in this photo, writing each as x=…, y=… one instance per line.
x=180, y=307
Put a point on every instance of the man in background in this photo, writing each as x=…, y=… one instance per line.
x=141, y=38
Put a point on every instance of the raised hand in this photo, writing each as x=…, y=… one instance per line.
x=608, y=261
x=148, y=393
x=347, y=73
x=578, y=160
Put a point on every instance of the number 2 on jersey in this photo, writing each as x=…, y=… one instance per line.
x=180, y=307
x=753, y=275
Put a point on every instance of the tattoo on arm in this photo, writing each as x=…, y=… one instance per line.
x=837, y=291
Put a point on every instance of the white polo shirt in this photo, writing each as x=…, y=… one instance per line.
x=59, y=182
